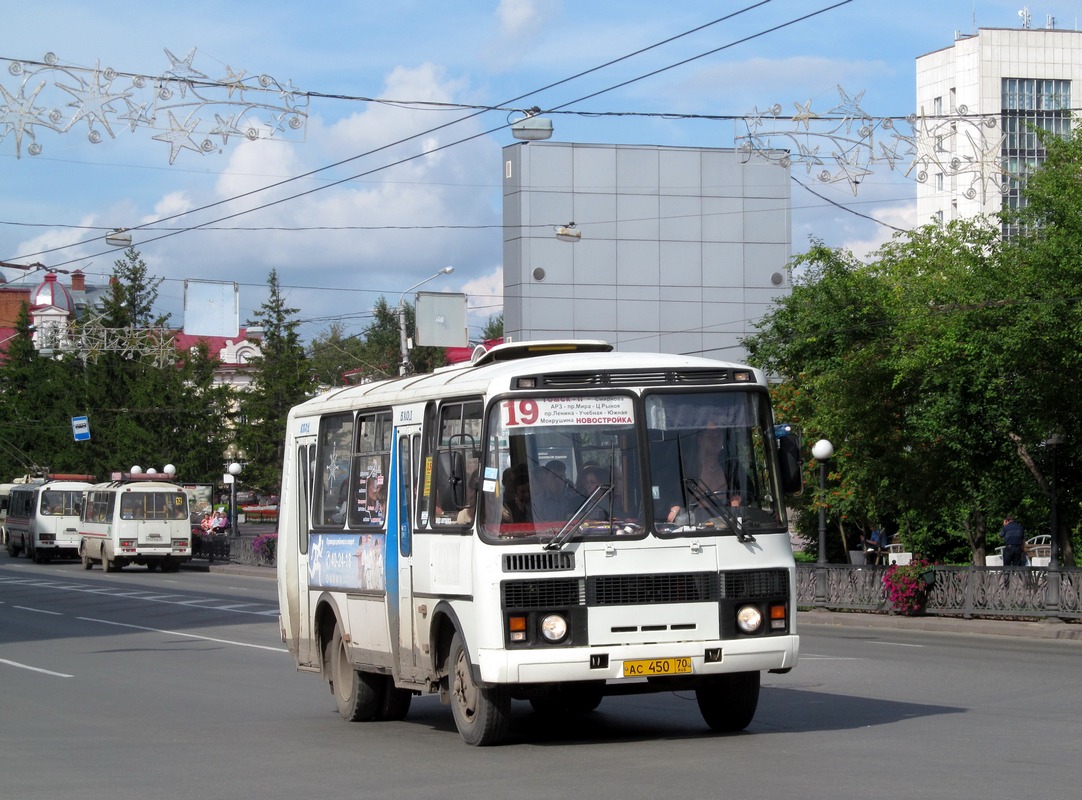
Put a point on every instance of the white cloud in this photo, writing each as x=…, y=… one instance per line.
x=518, y=18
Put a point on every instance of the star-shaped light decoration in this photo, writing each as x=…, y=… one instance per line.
x=804, y=114
x=19, y=114
x=179, y=137
x=181, y=69
x=93, y=101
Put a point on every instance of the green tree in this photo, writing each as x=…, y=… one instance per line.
x=134, y=399
x=380, y=355
x=332, y=354
x=280, y=380
x=493, y=328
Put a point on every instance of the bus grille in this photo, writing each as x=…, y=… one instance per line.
x=561, y=592
x=617, y=590
x=751, y=584
x=538, y=562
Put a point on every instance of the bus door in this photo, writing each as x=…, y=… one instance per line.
x=407, y=448
x=295, y=512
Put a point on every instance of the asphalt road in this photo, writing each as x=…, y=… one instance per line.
x=150, y=685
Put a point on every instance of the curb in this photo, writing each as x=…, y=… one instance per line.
x=1029, y=629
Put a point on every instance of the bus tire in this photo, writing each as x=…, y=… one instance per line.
x=396, y=702
x=13, y=549
x=728, y=702
x=482, y=715
x=84, y=556
x=107, y=564
x=357, y=694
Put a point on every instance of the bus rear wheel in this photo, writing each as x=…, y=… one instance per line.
x=84, y=556
x=728, y=702
x=482, y=715
x=357, y=694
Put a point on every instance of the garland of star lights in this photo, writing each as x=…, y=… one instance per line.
x=190, y=110
x=843, y=144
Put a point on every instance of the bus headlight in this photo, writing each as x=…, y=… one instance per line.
x=749, y=619
x=553, y=627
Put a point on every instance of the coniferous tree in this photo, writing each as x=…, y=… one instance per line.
x=281, y=379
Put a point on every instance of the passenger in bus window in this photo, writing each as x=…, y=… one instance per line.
x=554, y=499
x=590, y=478
x=519, y=507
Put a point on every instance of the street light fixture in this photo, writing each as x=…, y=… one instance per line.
x=119, y=237
x=531, y=127
x=822, y=452
x=403, y=345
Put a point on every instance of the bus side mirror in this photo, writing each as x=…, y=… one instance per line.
x=792, y=478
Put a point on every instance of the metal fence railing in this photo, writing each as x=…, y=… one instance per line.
x=1004, y=592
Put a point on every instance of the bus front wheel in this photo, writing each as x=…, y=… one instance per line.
x=357, y=694
x=728, y=702
x=482, y=715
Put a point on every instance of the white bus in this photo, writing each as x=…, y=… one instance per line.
x=43, y=517
x=136, y=519
x=405, y=568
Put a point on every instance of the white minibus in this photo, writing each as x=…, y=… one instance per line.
x=43, y=518
x=552, y=522
x=138, y=519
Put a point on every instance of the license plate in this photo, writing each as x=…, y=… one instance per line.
x=653, y=667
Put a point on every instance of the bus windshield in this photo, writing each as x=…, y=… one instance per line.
x=712, y=463
x=61, y=503
x=561, y=466
x=162, y=505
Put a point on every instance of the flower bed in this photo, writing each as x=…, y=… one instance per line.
x=907, y=586
x=265, y=546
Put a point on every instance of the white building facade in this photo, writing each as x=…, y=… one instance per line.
x=976, y=103
x=680, y=250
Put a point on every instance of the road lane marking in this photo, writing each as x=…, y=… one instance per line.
x=38, y=610
x=35, y=669
x=134, y=594
x=188, y=635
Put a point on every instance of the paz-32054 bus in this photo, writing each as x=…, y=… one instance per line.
x=553, y=522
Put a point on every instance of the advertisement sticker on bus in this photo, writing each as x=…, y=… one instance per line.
x=541, y=412
x=346, y=561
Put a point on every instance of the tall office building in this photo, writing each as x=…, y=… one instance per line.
x=977, y=103
x=680, y=250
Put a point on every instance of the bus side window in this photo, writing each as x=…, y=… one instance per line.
x=335, y=448
x=457, y=455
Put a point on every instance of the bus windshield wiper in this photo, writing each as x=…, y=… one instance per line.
x=709, y=501
x=588, y=505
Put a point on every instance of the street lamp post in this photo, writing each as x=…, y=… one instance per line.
x=404, y=363
x=234, y=458
x=234, y=471
x=1052, y=598
x=821, y=452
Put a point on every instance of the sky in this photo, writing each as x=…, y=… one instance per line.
x=354, y=148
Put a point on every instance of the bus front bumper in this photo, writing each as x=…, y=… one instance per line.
x=555, y=665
